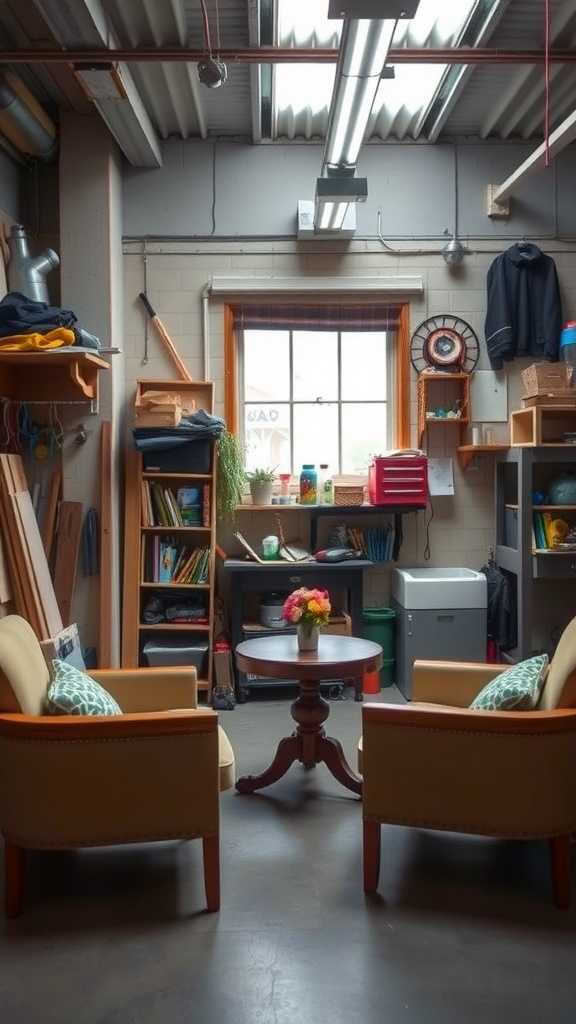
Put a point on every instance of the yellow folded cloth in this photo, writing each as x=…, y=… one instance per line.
x=32, y=342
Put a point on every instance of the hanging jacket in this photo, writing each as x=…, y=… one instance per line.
x=502, y=625
x=524, y=307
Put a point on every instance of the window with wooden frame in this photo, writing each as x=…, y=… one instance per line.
x=317, y=383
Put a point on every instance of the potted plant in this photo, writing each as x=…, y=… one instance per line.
x=230, y=476
x=261, y=482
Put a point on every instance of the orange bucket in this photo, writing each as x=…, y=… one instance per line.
x=371, y=682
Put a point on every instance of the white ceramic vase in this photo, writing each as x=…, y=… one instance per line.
x=308, y=637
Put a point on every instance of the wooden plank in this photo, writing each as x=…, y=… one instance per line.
x=67, y=545
x=49, y=530
x=35, y=559
x=132, y=570
x=105, y=638
x=27, y=569
x=27, y=596
x=40, y=568
x=6, y=593
x=17, y=552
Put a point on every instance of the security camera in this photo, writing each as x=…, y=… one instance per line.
x=212, y=72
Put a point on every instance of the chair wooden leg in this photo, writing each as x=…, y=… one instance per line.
x=371, y=854
x=211, y=855
x=14, y=870
x=561, y=865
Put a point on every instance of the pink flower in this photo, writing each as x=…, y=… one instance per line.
x=304, y=605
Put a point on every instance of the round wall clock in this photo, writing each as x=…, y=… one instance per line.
x=445, y=343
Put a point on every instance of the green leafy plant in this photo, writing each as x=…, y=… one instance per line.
x=230, y=476
x=261, y=476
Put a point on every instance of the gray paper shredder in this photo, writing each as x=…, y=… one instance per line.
x=440, y=613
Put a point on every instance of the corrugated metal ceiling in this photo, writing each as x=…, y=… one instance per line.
x=496, y=100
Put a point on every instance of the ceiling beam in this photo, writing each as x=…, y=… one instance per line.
x=284, y=55
x=559, y=139
x=84, y=22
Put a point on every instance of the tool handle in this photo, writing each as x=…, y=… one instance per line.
x=147, y=304
x=165, y=337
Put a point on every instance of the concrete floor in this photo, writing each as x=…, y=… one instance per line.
x=463, y=930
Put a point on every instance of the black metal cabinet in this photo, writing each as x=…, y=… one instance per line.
x=250, y=577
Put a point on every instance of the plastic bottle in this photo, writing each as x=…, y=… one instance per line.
x=568, y=349
x=284, y=488
x=320, y=484
x=308, y=485
x=326, y=488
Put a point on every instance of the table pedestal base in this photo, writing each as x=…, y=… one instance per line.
x=309, y=744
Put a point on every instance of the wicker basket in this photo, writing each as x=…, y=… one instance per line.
x=348, y=495
x=554, y=379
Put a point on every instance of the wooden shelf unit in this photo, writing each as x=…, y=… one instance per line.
x=442, y=390
x=137, y=588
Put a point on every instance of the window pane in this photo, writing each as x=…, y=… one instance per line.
x=364, y=434
x=267, y=436
x=315, y=435
x=363, y=366
x=315, y=366
x=266, y=365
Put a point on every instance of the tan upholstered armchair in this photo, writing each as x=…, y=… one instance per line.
x=72, y=781
x=436, y=764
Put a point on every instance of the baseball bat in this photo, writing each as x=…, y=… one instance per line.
x=164, y=336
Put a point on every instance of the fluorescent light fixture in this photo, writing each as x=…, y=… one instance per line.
x=102, y=81
x=372, y=8
x=363, y=54
x=330, y=216
x=334, y=195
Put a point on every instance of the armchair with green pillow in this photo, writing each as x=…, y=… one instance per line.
x=144, y=763
x=482, y=749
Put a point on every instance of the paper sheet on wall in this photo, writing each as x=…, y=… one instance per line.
x=440, y=476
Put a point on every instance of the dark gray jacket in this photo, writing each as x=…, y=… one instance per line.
x=524, y=307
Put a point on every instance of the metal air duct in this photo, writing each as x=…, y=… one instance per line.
x=23, y=122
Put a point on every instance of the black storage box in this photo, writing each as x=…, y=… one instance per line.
x=158, y=652
x=191, y=457
x=511, y=526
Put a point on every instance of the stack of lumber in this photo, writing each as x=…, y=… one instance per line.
x=34, y=593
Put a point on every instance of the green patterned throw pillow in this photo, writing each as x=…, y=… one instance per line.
x=517, y=689
x=72, y=692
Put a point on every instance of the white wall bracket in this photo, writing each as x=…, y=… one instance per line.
x=496, y=208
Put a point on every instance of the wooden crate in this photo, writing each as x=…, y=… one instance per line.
x=192, y=395
x=541, y=425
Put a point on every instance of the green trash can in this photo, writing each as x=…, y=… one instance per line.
x=378, y=625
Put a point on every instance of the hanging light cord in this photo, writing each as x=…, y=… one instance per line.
x=207, y=43
x=547, y=84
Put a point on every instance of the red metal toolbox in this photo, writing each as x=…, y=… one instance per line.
x=400, y=479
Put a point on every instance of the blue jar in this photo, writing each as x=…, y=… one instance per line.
x=308, y=485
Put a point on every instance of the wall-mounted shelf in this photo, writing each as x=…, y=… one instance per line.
x=50, y=376
x=467, y=452
x=443, y=390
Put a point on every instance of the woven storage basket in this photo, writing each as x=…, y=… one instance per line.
x=348, y=495
x=552, y=379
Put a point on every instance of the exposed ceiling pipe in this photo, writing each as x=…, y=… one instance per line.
x=288, y=55
x=23, y=123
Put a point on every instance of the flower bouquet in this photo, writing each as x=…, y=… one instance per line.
x=307, y=610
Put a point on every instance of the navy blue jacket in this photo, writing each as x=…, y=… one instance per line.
x=524, y=307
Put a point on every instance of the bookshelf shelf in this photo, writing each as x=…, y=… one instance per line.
x=169, y=564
